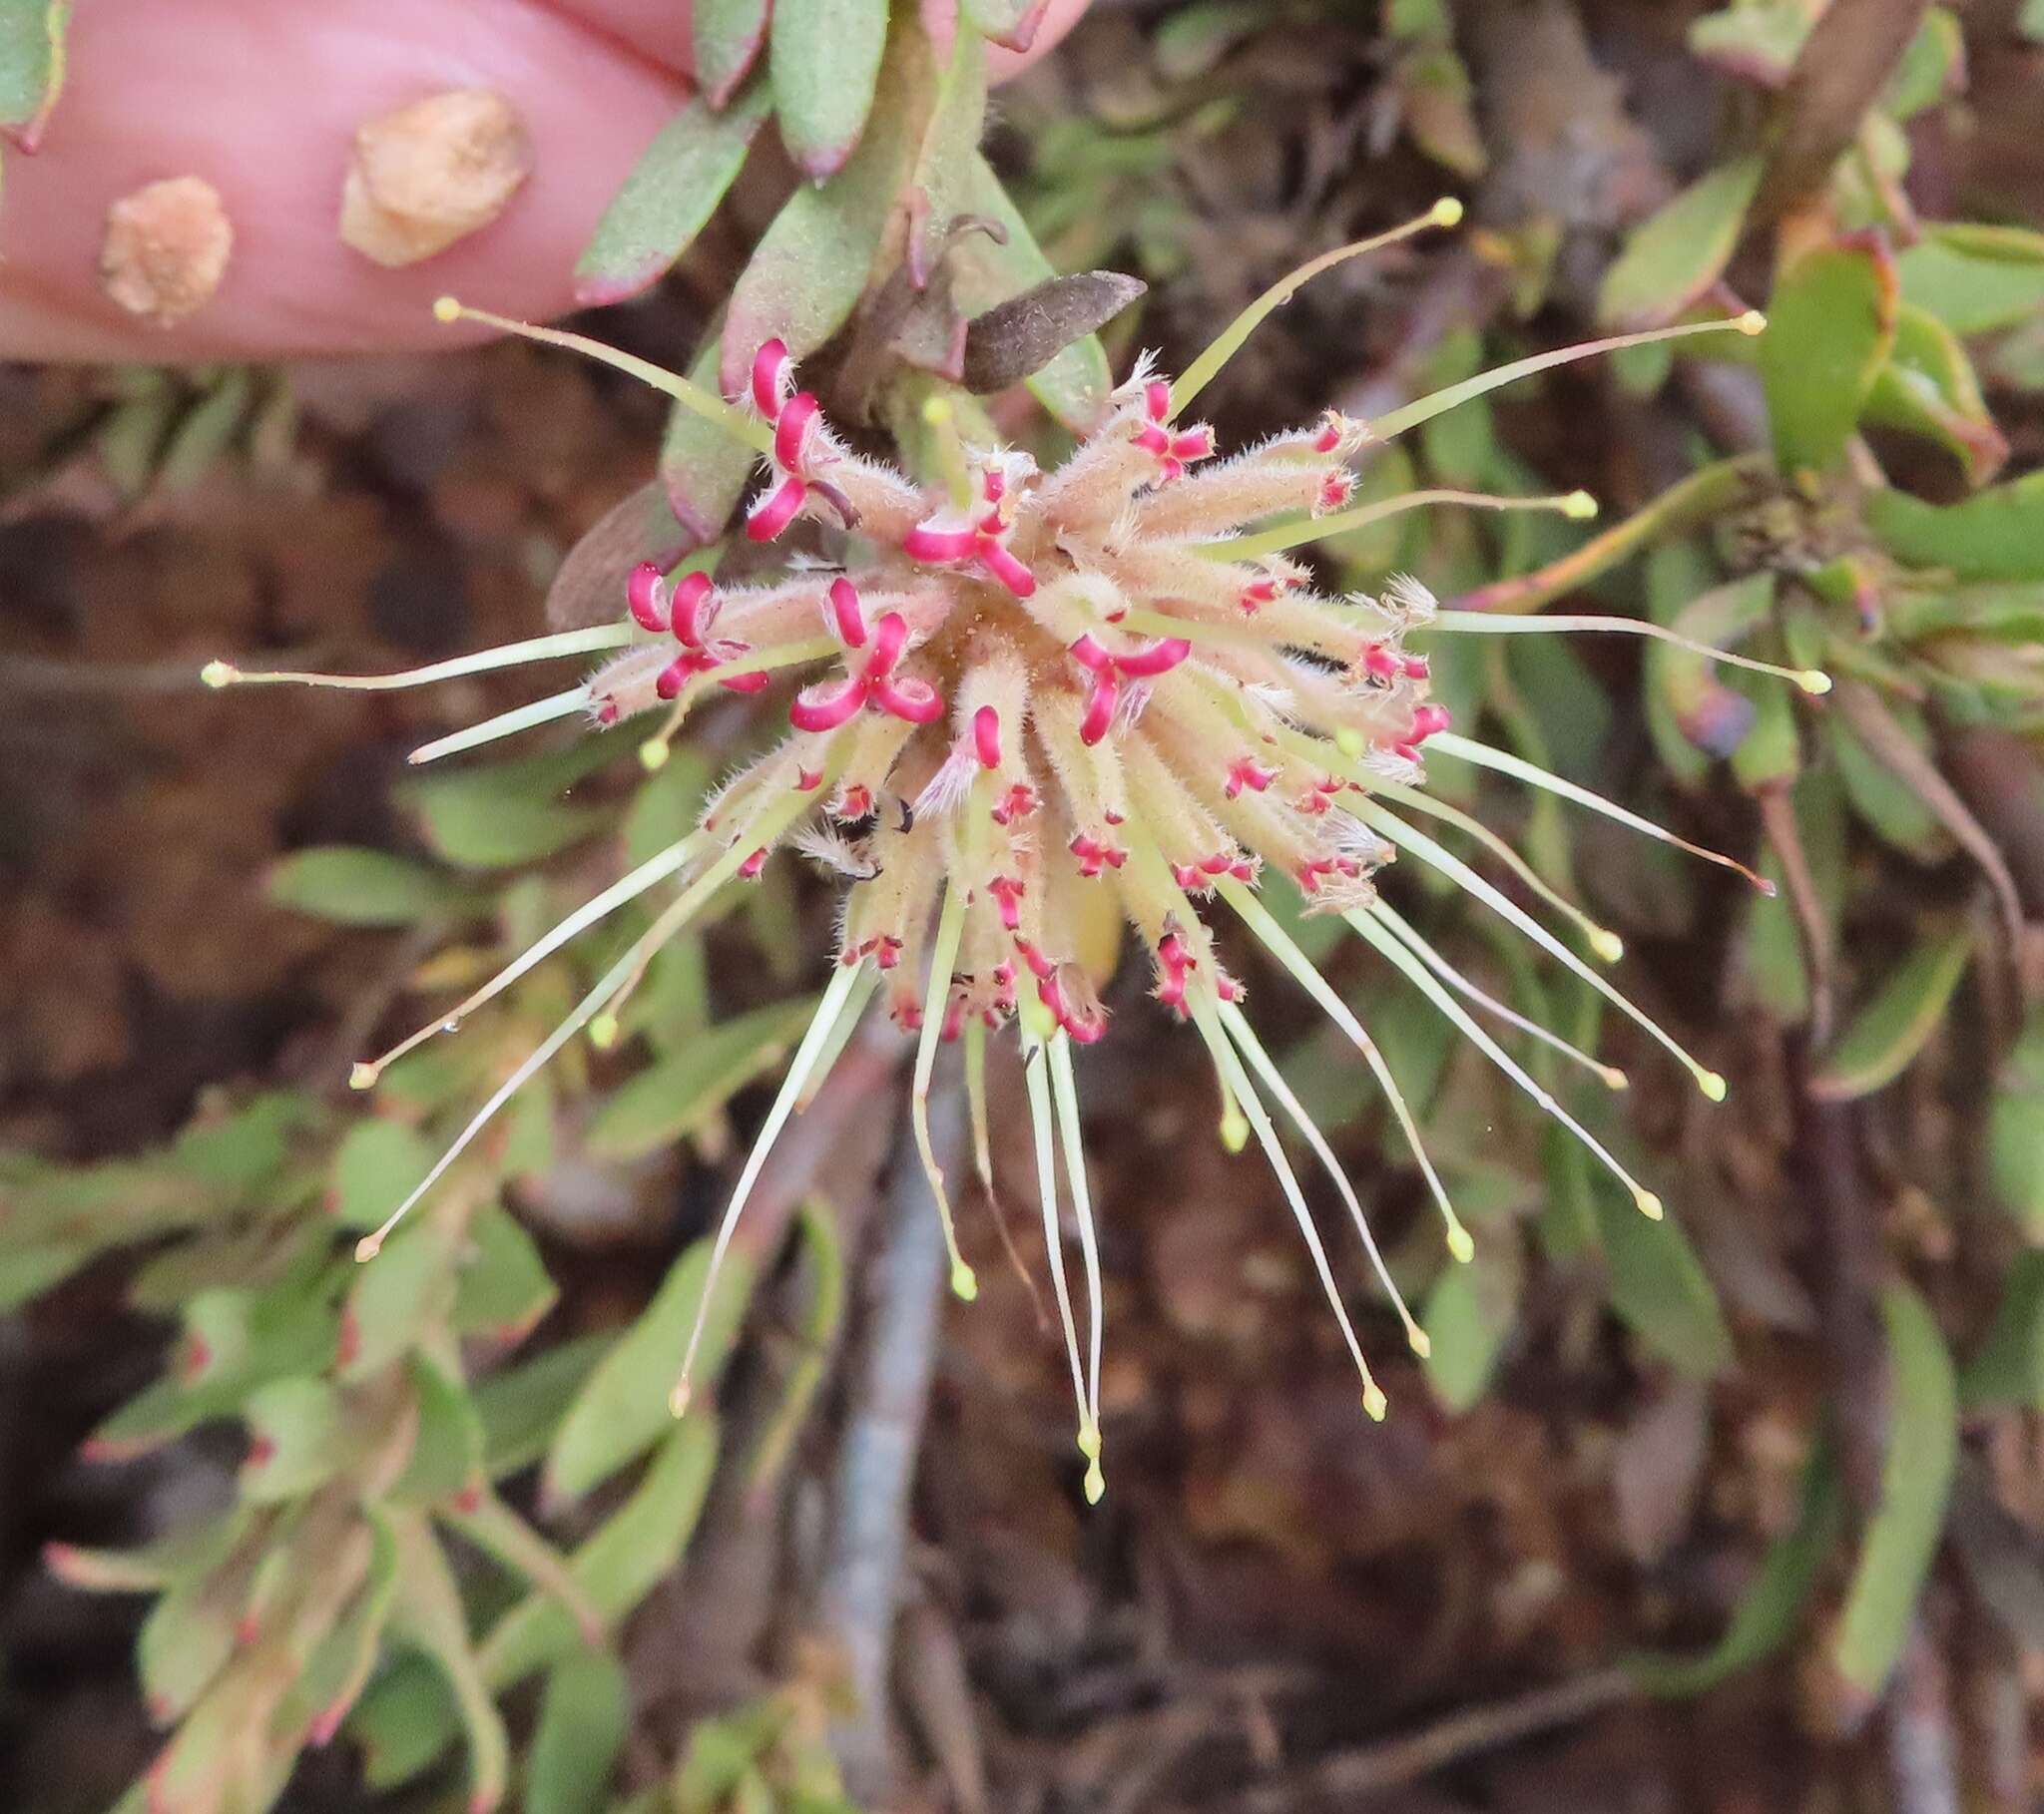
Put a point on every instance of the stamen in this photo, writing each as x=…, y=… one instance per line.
x=485, y=661
x=836, y=994
x=1245, y=1037
x=942, y=421
x=1207, y=366
x=504, y=724
x=1065, y=1094
x=1467, y=1023
x=1449, y=743
x=1036, y=1073
x=653, y=753
x=1607, y=1074
x=1605, y=943
x=734, y=422
x=1813, y=680
x=1279, y=943
x=626, y=888
x=1411, y=839
x=868, y=985
x=936, y=997
x=1424, y=409
x=672, y=918
x=1229, y=1065
x=1576, y=504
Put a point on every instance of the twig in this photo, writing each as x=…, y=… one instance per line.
x=1371, y=1769
x=890, y=1390
x=1843, y=64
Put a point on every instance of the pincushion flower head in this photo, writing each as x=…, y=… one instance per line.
x=1029, y=697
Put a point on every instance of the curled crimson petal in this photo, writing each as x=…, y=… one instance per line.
x=1160, y=658
x=825, y=706
x=927, y=542
x=745, y=682
x=844, y=608
x=1006, y=569
x=798, y=415
x=916, y=701
x=769, y=376
x=777, y=510
x=1107, y=693
x=986, y=737
x=675, y=674
x=642, y=595
x=1090, y=656
x=694, y=609
x=888, y=642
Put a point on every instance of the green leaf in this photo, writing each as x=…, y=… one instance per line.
x=299, y=1440
x=356, y=887
x=1756, y=43
x=376, y=1166
x=1658, y=1287
x=811, y=264
x=400, y=1295
x=32, y=38
x=1975, y=279
x=726, y=36
x=703, y=469
x=1902, y=1537
x=204, y=430
x=1996, y=535
x=447, y=1450
x=623, y=1410
x=522, y=1406
x=1928, y=387
x=403, y=1722
x=188, y=1638
x=1933, y=67
x=1830, y=323
x=1468, y=1316
x=342, y=1661
x=1770, y=754
x=28, y=1272
x=511, y=812
x=1712, y=715
x=2008, y=1369
x=1682, y=250
x=2015, y=1131
x=1880, y=1040
x=640, y=1545
x=427, y=1611
x=1880, y=795
x=825, y=57
x=679, y=1096
x=502, y=1288
x=667, y=806
x=582, y=1721
x=671, y=190
x=1766, y=1615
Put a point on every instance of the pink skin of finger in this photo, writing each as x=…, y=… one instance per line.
x=263, y=101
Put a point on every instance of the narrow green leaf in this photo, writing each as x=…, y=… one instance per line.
x=623, y=1410
x=447, y=1448
x=510, y=812
x=1880, y=1040
x=670, y=194
x=640, y=1545
x=1682, y=250
x=427, y=1609
x=1468, y=1316
x=1928, y=387
x=32, y=39
x=299, y=1440
x=679, y=1096
x=2015, y=1131
x=1973, y=284
x=1902, y=1538
x=825, y=57
x=1999, y=535
x=1766, y=1615
x=726, y=36
x=205, y=430
x=502, y=1288
x=2008, y=1369
x=811, y=267
x=582, y=1720
x=356, y=887
x=1659, y=1287
x=1830, y=323
x=1756, y=43
x=522, y=1406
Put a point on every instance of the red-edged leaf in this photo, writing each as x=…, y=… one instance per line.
x=671, y=192
x=824, y=56
x=725, y=35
